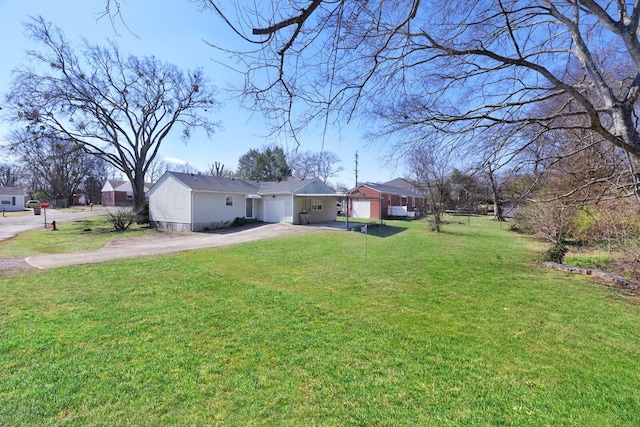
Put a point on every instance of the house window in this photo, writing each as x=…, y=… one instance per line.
x=129, y=196
x=228, y=200
x=316, y=205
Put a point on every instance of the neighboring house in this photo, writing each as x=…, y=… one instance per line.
x=12, y=199
x=511, y=209
x=81, y=199
x=383, y=201
x=120, y=193
x=402, y=183
x=194, y=202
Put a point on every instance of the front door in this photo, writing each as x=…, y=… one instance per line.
x=249, y=208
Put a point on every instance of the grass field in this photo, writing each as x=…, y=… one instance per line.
x=88, y=234
x=456, y=328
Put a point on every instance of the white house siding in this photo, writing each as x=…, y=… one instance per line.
x=288, y=208
x=170, y=206
x=12, y=202
x=188, y=202
x=211, y=212
x=304, y=197
x=300, y=203
x=258, y=209
x=326, y=214
x=317, y=187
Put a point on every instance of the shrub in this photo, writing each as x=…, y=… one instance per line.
x=142, y=215
x=521, y=223
x=586, y=224
x=550, y=221
x=630, y=261
x=556, y=253
x=120, y=218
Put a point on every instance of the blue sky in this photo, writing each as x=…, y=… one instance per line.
x=174, y=31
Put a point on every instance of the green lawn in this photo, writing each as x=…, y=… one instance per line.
x=88, y=234
x=456, y=328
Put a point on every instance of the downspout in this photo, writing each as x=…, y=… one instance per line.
x=191, y=210
x=348, y=207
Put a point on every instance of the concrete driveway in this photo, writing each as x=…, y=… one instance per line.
x=158, y=243
x=166, y=242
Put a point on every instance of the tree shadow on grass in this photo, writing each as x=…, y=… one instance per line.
x=452, y=233
x=377, y=230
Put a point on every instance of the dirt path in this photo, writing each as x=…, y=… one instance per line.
x=159, y=243
x=9, y=266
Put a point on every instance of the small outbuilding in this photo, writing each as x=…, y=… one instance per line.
x=12, y=199
x=195, y=202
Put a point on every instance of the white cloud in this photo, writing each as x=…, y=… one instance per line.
x=175, y=161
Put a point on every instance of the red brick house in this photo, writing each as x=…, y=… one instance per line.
x=383, y=201
x=120, y=193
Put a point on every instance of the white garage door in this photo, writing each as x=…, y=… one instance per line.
x=361, y=209
x=274, y=211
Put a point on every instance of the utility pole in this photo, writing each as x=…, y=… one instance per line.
x=356, y=169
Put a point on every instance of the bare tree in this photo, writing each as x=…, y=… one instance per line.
x=183, y=168
x=327, y=168
x=468, y=190
x=9, y=175
x=433, y=170
x=156, y=169
x=456, y=66
x=57, y=166
x=583, y=191
x=118, y=107
x=552, y=222
x=302, y=165
x=315, y=165
x=585, y=169
x=218, y=169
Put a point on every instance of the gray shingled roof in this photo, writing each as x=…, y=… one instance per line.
x=216, y=184
x=238, y=186
x=283, y=187
x=401, y=183
x=387, y=189
x=12, y=191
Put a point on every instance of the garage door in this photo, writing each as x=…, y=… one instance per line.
x=274, y=211
x=361, y=209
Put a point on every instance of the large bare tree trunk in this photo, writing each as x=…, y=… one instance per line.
x=495, y=191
